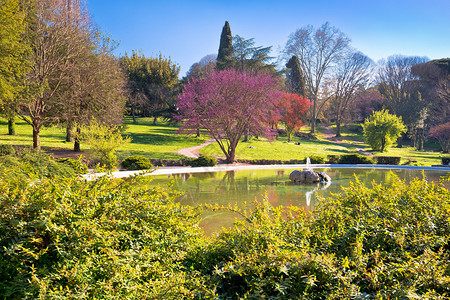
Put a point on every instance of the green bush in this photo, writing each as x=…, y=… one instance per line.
x=202, y=161
x=388, y=160
x=136, y=162
x=356, y=159
x=316, y=160
x=7, y=150
x=379, y=242
x=78, y=166
x=382, y=129
x=446, y=160
x=35, y=163
x=333, y=159
x=104, y=141
x=104, y=239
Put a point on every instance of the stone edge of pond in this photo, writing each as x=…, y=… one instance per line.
x=181, y=170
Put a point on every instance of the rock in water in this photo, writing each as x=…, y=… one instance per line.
x=308, y=176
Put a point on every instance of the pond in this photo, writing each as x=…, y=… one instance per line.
x=243, y=187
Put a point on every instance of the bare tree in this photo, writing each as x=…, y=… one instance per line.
x=318, y=51
x=59, y=35
x=351, y=75
x=396, y=79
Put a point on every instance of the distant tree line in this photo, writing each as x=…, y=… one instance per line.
x=57, y=68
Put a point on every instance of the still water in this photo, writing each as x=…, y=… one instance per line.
x=243, y=187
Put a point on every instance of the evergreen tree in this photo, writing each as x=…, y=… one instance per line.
x=225, y=56
x=295, y=78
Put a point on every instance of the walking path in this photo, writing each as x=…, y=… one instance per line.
x=331, y=136
x=192, y=152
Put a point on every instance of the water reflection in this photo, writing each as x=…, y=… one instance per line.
x=243, y=187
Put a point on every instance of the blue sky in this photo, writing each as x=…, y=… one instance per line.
x=190, y=29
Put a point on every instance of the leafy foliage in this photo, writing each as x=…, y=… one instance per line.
x=104, y=141
x=35, y=163
x=7, y=150
x=382, y=129
x=229, y=104
x=442, y=134
x=103, y=239
x=136, y=162
x=355, y=159
x=14, y=49
x=77, y=165
x=294, y=109
x=388, y=160
x=202, y=161
x=378, y=242
x=69, y=238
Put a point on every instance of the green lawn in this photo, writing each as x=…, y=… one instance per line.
x=161, y=141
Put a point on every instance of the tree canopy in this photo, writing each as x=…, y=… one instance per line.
x=382, y=129
x=228, y=104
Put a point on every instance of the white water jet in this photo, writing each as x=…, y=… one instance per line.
x=308, y=164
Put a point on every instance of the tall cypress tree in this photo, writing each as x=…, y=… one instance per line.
x=295, y=79
x=225, y=56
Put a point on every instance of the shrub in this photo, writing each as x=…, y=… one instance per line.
x=316, y=160
x=382, y=129
x=136, y=162
x=388, y=160
x=333, y=159
x=7, y=150
x=78, y=166
x=446, y=160
x=202, y=161
x=104, y=141
x=103, y=239
x=34, y=163
x=356, y=159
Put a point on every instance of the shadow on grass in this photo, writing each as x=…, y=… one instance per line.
x=121, y=154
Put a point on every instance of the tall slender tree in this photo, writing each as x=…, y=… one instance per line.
x=295, y=79
x=14, y=53
x=225, y=55
x=318, y=51
x=351, y=76
x=60, y=34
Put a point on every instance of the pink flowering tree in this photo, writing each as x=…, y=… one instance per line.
x=442, y=134
x=228, y=104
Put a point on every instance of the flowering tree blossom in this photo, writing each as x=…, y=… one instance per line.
x=227, y=104
x=294, y=109
x=442, y=134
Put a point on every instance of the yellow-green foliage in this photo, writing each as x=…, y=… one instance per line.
x=115, y=239
x=382, y=129
x=104, y=239
x=104, y=141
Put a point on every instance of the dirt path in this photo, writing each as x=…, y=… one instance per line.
x=331, y=136
x=192, y=152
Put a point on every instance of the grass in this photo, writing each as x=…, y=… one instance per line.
x=280, y=149
x=161, y=141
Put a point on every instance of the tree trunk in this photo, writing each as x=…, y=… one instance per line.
x=231, y=155
x=313, y=117
x=198, y=132
x=133, y=114
x=338, y=128
x=76, y=144
x=420, y=138
x=11, y=126
x=69, y=132
x=383, y=144
x=154, y=120
x=36, y=138
x=247, y=133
